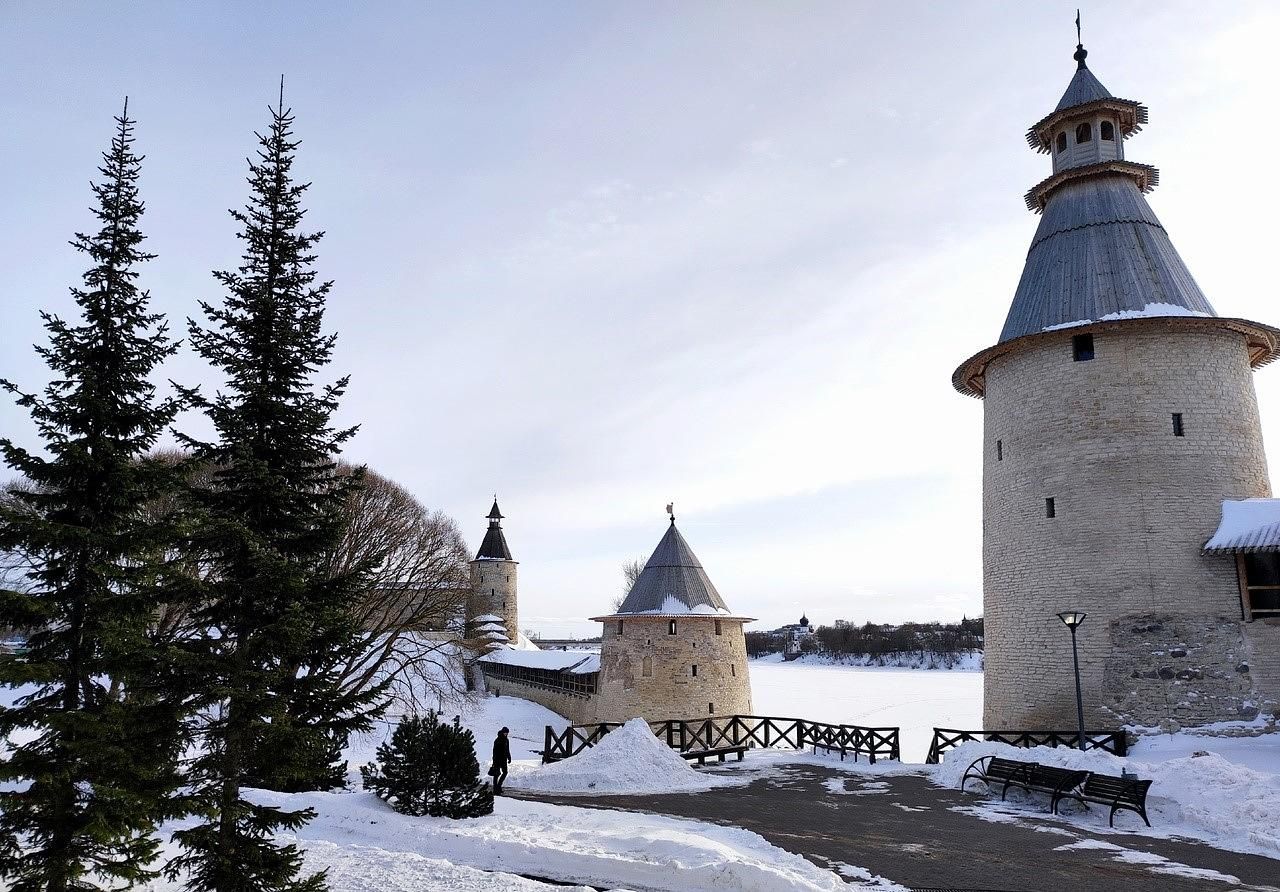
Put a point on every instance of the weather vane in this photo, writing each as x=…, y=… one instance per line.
x=671, y=509
x=1078, y=38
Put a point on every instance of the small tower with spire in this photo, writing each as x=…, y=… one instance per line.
x=672, y=649
x=492, y=615
x=1119, y=414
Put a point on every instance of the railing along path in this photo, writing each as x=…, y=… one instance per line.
x=948, y=738
x=696, y=735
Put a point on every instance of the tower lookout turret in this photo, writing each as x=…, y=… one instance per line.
x=492, y=612
x=1119, y=414
x=673, y=650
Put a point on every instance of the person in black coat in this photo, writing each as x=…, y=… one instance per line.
x=501, y=759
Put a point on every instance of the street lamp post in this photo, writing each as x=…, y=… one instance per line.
x=1072, y=619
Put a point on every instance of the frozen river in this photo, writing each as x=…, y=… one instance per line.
x=915, y=700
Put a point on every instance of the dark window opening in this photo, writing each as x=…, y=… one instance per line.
x=1084, y=133
x=1107, y=131
x=694, y=667
x=671, y=627
x=711, y=708
x=1260, y=584
x=1177, y=425
x=1050, y=510
x=1062, y=142
x=620, y=628
x=717, y=627
x=733, y=670
x=999, y=450
x=1082, y=348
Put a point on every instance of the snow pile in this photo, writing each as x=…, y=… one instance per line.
x=1205, y=796
x=629, y=759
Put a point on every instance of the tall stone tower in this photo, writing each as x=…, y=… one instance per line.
x=673, y=650
x=1119, y=414
x=493, y=586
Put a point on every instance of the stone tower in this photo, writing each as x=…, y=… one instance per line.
x=672, y=650
x=493, y=586
x=1119, y=414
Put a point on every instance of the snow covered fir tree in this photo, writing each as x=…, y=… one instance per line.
x=94, y=738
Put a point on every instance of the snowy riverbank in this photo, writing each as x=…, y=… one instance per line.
x=966, y=661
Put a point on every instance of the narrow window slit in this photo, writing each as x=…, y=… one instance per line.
x=1177, y=425
x=1082, y=347
x=1049, y=509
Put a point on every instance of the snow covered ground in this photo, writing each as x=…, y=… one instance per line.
x=1202, y=796
x=373, y=848
x=915, y=700
x=966, y=661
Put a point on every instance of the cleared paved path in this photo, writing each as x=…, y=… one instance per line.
x=908, y=832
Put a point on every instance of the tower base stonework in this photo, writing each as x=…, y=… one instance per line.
x=648, y=672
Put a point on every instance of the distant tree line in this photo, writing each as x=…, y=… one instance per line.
x=844, y=638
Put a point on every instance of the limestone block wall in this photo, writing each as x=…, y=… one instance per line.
x=1133, y=506
x=648, y=672
x=1262, y=656
x=493, y=590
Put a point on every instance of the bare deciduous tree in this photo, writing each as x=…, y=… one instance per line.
x=415, y=562
x=631, y=571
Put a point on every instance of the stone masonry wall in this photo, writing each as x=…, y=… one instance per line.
x=577, y=709
x=1134, y=505
x=669, y=689
x=1262, y=653
x=493, y=590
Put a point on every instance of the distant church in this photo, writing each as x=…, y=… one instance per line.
x=672, y=650
x=1123, y=466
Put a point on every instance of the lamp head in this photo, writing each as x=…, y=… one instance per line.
x=1071, y=618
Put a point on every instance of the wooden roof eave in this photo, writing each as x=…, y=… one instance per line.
x=1262, y=342
x=1146, y=176
x=1132, y=116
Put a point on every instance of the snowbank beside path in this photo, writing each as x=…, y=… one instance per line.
x=596, y=847
x=1206, y=797
x=629, y=759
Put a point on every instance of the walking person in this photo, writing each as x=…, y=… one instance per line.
x=501, y=759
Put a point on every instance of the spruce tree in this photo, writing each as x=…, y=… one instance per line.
x=94, y=767
x=429, y=768
x=275, y=618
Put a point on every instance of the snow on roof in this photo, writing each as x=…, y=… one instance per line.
x=576, y=662
x=491, y=627
x=487, y=618
x=1150, y=311
x=673, y=582
x=1247, y=525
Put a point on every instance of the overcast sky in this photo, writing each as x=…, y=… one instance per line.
x=595, y=257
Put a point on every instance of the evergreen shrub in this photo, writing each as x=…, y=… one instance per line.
x=429, y=768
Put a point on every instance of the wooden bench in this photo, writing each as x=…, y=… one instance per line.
x=1062, y=783
x=992, y=770
x=1126, y=793
x=720, y=752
